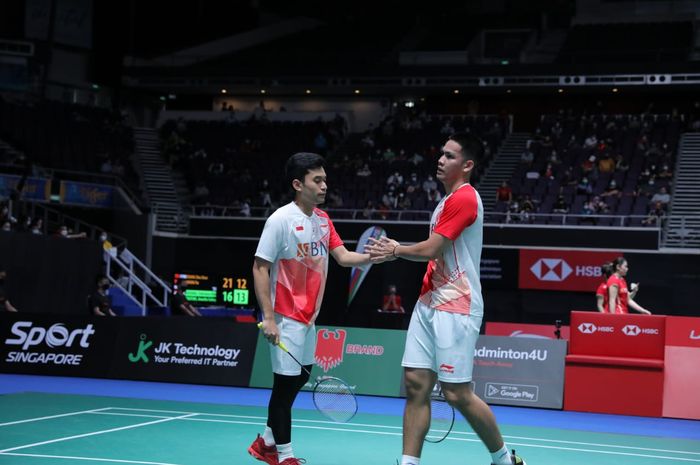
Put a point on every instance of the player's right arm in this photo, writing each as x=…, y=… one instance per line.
x=600, y=300
x=261, y=279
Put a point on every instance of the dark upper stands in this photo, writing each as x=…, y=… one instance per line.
x=627, y=43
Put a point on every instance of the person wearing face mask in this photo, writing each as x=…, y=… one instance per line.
x=179, y=304
x=5, y=304
x=99, y=303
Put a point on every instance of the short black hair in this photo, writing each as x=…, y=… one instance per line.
x=617, y=262
x=607, y=269
x=99, y=278
x=299, y=164
x=472, y=147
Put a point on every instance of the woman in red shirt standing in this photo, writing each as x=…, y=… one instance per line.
x=618, y=294
x=601, y=295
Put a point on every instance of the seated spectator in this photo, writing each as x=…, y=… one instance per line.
x=369, y=210
x=390, y=198
x=64, y=233
x=388, y=156
x=403, y=202
x=554, y=158
x=548, y=172
x=665, y=172
x=364, y=171
x=611, y=190
x=334, y=199
x=6, y=226
x=588, y=208
x=590, y=142
x=37, y=226
x=245, y=208
x=429, y=184
x=560, y=205
x=504, y=193
x=606, y=164
x=416, y=159
x=178, y=302
x=568, y=178
x=655, y=215
x=5, y=304
x=621, y=164
x=527, y=157
x=392, y=301
x=649, y=188
x=395, y=180
x=99, y=303
x=201, y=192
x=412, y=184
x=588, y=165
x=662, y=197
x=600, y=206
x=584, y=187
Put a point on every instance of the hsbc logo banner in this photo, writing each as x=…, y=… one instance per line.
x=562, y=270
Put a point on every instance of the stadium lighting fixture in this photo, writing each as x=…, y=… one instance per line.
x=357, y=91
x=308, y=91
x=614, y=90
x=263, y=91
x=223, y=91
x=456, y=91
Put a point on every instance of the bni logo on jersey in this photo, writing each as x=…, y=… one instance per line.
x=311, y=249
x=551, y=269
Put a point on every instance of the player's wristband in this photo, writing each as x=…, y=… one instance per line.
x=393, y=252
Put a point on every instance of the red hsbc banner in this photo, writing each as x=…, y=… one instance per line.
x=525, y=330
x=562, y=270
x=683, y=331
x=613, y=335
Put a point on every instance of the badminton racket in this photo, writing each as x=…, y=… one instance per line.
x=332, y=396
x=442, y=418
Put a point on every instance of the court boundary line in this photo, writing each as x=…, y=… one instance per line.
x=466, y=433
x=96, y=459
x=28, y=420
x=95, y=433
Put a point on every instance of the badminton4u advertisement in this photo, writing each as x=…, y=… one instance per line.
x=562, y=270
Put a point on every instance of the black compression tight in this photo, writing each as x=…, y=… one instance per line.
x=279, y=411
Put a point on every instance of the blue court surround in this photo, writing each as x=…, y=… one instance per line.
x=601, y=423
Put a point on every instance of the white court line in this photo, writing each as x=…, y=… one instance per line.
x=28, y=420
x=94, y=459
x=94, y=433
x=364, y=425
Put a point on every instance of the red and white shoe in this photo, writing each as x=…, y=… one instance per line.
x=263, y=452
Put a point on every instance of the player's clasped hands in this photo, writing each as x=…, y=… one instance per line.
x=381, y=250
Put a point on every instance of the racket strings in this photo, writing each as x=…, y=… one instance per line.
x=335, y=399
x=442, y=417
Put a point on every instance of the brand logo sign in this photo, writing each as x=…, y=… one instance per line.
x=30, y=338
x=330, y=346
x=178, y=353
x=634, y=330
x=562, y=269
x=445, y=368
x=512, y=392
x=693, y=335
x=551, y=269
x=590, y=328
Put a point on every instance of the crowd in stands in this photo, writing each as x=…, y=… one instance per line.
x=387, y=169
x=594, y=165
x=59, y=136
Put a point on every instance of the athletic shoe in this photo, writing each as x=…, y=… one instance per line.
x=292, y=461
x=263, y=452
x=516, y=459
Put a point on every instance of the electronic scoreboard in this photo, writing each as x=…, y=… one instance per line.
x=213, y=290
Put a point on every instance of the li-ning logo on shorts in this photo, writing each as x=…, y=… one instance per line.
x=311, y=249
x=445, y=368
x=551, y=269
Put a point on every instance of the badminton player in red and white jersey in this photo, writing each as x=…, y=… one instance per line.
x=290, y=268
x=444, y=327
x=601, y=294
x=619, y=296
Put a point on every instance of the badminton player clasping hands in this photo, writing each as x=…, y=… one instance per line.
x=445, y=323
x=291, y=264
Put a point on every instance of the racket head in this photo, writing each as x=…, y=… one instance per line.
x=335, y=399
x=442, y=419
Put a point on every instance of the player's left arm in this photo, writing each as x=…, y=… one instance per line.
x=636, y=307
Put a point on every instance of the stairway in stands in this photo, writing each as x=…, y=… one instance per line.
x=682, y=230
x=159, y=182
x=502, y=167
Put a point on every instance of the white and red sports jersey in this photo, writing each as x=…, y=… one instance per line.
x=622, y=293
x=297, y=245
x=451, y=283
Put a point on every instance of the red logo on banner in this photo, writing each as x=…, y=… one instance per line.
x=562, y=270
x=330, y=346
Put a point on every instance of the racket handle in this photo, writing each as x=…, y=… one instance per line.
x=279, y=344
